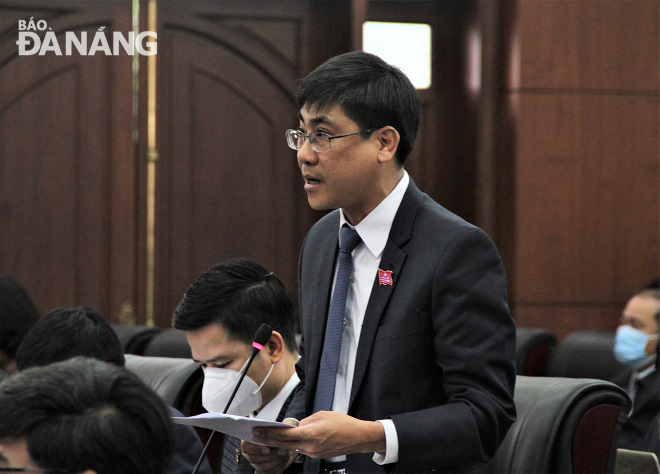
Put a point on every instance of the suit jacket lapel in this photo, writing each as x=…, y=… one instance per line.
x=393, y=259
x=323, y=286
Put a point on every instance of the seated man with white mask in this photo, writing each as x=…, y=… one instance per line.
x=220, y=312
x=636, y=346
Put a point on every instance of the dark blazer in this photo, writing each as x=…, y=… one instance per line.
x=187, y=451
x=436, y=351
x=646, y=407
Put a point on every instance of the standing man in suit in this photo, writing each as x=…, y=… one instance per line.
x=220, y=312
x=418, y=367
x=636, y=345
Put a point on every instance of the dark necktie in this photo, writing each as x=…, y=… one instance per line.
x=229, y=462
x=325, y=386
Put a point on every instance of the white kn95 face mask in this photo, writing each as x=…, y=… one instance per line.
x=219, y=385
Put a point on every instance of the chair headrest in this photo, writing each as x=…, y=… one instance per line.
x=550, y=409
x=178, y=381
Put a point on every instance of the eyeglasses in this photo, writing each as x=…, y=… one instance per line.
x=320, y=141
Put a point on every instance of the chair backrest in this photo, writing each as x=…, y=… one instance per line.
x=134, y=339
x=564, y=425
x=636, y=462
x=178, y=381
x=585, y=354
x=169, y=343
x=533, y=348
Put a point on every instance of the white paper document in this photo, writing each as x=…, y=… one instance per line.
x=238, y=426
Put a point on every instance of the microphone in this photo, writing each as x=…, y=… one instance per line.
x=261, y=337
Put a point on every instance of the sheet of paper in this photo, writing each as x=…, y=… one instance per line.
x=238, y=426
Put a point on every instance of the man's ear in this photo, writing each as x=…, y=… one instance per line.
x=275, y=346
x=388, y=141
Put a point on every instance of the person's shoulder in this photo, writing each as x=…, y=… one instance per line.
x=439, y=223
x=326, y=224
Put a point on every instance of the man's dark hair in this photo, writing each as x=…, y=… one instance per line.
x=370, y=91
x=68, y=332
x=86, y=414
x=17, y=315
x=240, y=295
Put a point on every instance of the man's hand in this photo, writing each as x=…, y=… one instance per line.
x=326, y=434
x=266, y=460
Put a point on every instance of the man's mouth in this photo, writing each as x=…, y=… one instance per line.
x=311, y=183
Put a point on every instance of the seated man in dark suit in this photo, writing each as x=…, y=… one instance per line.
x=82, y=331
x=221, y=312
x=84, y=416
x=636, y=346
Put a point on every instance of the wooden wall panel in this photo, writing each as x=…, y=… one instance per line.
x=588, y=44
x=587, y=206
x=578, y=120
x=65, y=162
x=565, y=319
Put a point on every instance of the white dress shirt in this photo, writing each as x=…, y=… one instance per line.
x=374, y=231
x=272, y=409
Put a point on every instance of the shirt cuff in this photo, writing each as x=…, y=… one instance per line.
x=391, y=453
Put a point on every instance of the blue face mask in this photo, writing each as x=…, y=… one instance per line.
x=630, y=347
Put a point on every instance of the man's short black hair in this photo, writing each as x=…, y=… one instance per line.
x=370, y=91
x=17, y=315
x=68, y=332
x=86, y=414
x=240, y=295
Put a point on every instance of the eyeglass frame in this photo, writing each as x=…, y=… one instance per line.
x=314, y=142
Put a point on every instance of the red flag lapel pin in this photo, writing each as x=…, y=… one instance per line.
x=385, y=277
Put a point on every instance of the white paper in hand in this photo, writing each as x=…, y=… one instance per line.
x=238, y=426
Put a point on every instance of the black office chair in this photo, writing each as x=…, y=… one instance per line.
x=563, y=426
x=585, y=354
x=169, y=343
x=533, y=348
x=178, y=381
x=134, y=339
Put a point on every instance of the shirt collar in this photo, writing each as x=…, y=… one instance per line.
x=642, y=374
x=271, y=410
x=374, y=229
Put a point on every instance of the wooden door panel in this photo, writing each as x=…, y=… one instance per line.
x=65, y=139
x=228, y=185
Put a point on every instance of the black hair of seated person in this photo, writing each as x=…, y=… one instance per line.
x=86, y=414
x=370, y=91
x=69, y=332
x=17, y=315
x=240, y=295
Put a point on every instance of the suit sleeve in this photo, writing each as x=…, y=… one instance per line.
x=296, y=408
x=474, y=345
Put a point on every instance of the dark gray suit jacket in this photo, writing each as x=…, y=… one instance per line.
x=646, y=406
x=436, y=351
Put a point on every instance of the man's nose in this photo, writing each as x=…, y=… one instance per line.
x=306, y=155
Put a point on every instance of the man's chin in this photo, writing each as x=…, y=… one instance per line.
x=319, y=205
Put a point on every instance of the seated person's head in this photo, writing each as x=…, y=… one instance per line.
x=68, y=332
x=17, y=315
x=83, y=416
x=637, y=335
x=221, y=312
x=369, y=91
